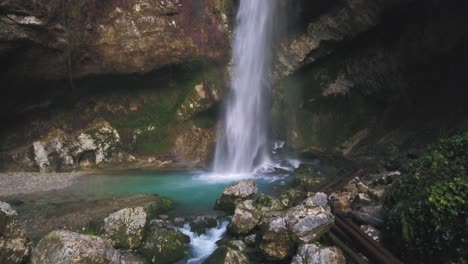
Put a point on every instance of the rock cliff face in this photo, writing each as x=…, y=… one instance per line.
x=61, y=39
x=373, y=76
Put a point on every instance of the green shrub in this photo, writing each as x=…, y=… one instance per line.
x=427, y=209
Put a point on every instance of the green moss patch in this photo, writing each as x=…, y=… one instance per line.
x=428, y=207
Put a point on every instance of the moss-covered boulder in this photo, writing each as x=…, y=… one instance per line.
x=72, y=248
x=125, y=228
x=164, y=246
x=14, y=246
x=428, y=206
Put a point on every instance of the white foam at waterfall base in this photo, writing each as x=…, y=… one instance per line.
x=203, y=245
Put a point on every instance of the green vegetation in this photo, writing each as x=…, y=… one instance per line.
x=428, y=207
x=149, y=128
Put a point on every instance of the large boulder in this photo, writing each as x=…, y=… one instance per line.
x=67, y=247
x=14, y=246
x=237, y=192
x=245, y=218
x=164, y=246
x=125, y=227
x=316, y=254
x=277, y=244
x=307, y=222
x=303, y=223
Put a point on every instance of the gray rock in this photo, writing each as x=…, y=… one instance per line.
x=317, y=254
x=68, y=247
x=360, y=200
x=245, y=218
x=125, y=227
x=237, y=192
x=14, y=246
x=371, y=215
x=307, y=224
x=319, y=199
x=227, y=255
x=250, y=240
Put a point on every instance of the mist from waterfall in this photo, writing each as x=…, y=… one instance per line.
x=243, y=131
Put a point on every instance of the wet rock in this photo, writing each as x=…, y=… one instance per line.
x=69, y=247
x=164, y=246
x=238, y=245
x=266, y=203
x=250, y=240
x=14, y=246
x=277, y=244
x=317, y=254
x=125, y=227
x=160, y=223
x=362, y=187
x=201, y=223
x=367, y=219
x=372, y=232
x=130, y=258
x=237, y=192
x=341, y=201
x=226, y=255
x=245, y=218
x=377, y=192
x=360, y=200
x=292, y=197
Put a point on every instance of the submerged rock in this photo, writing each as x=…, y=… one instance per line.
x=245, y=218
x=237, y=192
x=316, y=254
x=125, y=227
x=164, y=246
x=14, y=246
x=68, y=247
x=227, y=255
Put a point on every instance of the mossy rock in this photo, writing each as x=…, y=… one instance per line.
x=427, y=209
x=164, y=246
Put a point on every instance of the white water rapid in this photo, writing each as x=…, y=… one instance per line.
x=203, y=245
x=243, y=132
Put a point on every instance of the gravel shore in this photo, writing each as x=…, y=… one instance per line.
x=12, y=183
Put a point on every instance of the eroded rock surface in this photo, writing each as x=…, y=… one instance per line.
x=72, y=248
x=14, y=245
x=316, y=254
x=237, y=192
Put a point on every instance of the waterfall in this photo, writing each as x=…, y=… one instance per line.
x=243, y=131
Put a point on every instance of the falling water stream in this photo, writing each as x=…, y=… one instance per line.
x=242, y=134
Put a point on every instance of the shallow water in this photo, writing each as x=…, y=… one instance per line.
x=193, y=193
